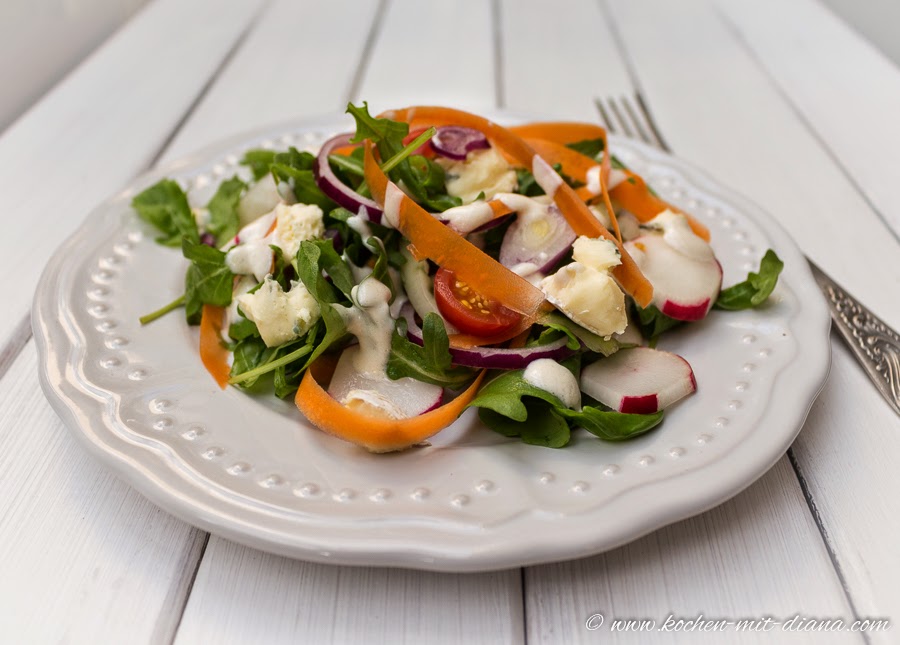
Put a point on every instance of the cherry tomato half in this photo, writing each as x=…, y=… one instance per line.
x=468, y=311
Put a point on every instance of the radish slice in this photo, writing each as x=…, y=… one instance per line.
x=337, y=190
x=684, y=287
x=540, y=236
x=639, y=380
x=377, y=395
x=500, y=358
x=456, y=142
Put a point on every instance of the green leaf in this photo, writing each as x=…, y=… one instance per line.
x=430, y=362
x=260, y=162
x=377, y=130
x=303, y=185
x=249, y=354
x=653, y=322
x=578, y=335
x=308, y=264
x=328, y=260
x=207, y=281
x=610, y=425
x=514, y=408
x=224, y=221
x=545, y=427
x=504, y=394
x=165, y=206
x=756, y=289
x=589, y=147
x=242, y=329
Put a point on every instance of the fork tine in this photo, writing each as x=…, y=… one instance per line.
x=604, y=115
x=639, y=127
x=626, y=127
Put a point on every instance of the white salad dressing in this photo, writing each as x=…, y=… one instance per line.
x=369, y=319
x=465, y=219
x=393, y=197
x=545, y=176
x=252, y=255
x=550, y=376
x=677, y=233
x=592, y=180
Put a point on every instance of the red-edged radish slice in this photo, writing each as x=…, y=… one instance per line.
x=684, y=286
x=379, y=396
x=639, y=380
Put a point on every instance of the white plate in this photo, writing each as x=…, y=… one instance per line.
x=252, y=470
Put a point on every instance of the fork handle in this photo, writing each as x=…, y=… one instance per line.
x=876, y=346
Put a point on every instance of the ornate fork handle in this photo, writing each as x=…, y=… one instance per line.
x=876, y=345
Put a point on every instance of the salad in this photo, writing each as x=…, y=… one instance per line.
x=433, y=261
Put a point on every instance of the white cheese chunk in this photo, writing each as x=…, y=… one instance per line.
x=596, y=253
x=280, y=317
x=296, y=224
x=589, y=297
x=483, y=171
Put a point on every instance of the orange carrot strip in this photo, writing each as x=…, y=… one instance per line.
x=374, y=434
x=213, y=354
x=561, y=132
x=576, y=165
x=438, y=242
x=576, y=212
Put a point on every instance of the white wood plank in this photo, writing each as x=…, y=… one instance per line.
x=846, y=88
x=758, y=555
x=432, y=53
x=717, y=107
x=241, y=595
x=101, y=126
x=558, y=57
x=280, y=73
x=85, y=558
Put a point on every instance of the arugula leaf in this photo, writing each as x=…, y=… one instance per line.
x=578, y=335
x=250, y=353
x=295, y=168
x=242, y=330
x=545, y=427
x=753, y=291
x=376, y=130
x=652, y=321
x=611, y=425
x=422, y=178
x=308, y=264
x=589, y=147
x=165, y=206
x=504, y=394
x=327, y=260
x=207, y=281
x=224, y=221
x=430, y=362
x=514, y=408
x=260, y=162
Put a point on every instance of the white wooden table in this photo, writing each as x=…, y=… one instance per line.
x=776, y=98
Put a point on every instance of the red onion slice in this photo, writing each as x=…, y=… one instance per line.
x=455, y=142
x=499, y=358
x=540, y=236
x=337, y=190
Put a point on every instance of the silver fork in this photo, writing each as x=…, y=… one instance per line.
x=875, y=345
